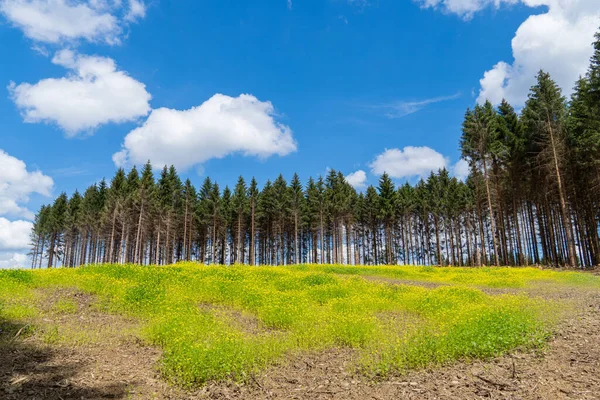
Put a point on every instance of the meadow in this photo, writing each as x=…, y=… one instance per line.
x=217, y=323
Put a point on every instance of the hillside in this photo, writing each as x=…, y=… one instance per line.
x=192, y=331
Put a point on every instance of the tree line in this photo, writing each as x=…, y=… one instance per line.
x=532, y=197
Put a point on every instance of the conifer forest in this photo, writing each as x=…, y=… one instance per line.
x=532, y=197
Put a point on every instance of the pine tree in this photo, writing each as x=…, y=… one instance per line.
x=56, y=225
x=240, y=209
x=189, y=196
x=225, y=227
x=214, y=204
x=203, y=216
x=267, y=217
x=544, y=115
x=282, y=212
x=387, y=212
x=72, y=223
x=253, y=199
x=115, y=205
x=296, y=197
x=144, y=199
x=371, y=217
x=478, y=143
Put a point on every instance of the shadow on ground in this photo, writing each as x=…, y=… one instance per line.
x=31, y=371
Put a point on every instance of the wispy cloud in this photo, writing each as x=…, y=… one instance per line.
x=70, y=171
x=343, y=19
x=289, y=4
x=399, y=109
x=360, y=3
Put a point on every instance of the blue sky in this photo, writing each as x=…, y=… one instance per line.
x=360, y=86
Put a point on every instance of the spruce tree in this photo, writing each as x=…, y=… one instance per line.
x=387, y=212
x=253, y=199
x=296, y=196
x=240, y=210
x=544, y=116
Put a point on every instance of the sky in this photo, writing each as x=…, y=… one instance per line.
x=223, y=88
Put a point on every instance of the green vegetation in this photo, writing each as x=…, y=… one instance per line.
x=492, y=277
x=65, y=306
x=219, y=323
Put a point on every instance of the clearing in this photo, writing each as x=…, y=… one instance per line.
x=190, y=331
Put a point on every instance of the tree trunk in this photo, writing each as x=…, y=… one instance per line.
x=138, y=235
x=157, y=246
x=239, y=240
x=296, y=249
x=492, y=221
x=185, y=217
x=563, y=205
x=252, y=237
x=51, y=250
x=322, y=239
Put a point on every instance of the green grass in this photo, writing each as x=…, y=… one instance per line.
x=492, y=277
x=276, y=311
x=65, y=306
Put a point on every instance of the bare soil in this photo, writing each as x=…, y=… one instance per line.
x=114, y=364
x=87, y=354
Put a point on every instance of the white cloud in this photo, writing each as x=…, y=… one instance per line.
x=408, y=162
x=17, y=184
x=92, y=94
x=14, y=235
x=13, y=260
x=59, y=21
x=558, y=41
x=357, y=179
x=401, y=109
x=221, y=126
x=463, y=8
x=289, y=4
x=137, y=10
x=461, y=169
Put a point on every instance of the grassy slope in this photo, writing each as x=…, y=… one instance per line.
x=217, y=323
x=492, y=277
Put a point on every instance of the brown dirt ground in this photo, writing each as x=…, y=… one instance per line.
x=107, y=361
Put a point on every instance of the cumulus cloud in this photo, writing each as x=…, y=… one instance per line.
x=408, y=162
x=94, y=93
x=220, y=126
x=14, y=241
x=14, y=235
x=137, y=10
x=461, y=169
x=12, y=260
x=419, y=162
x=17, y=184
x=357, y=179
x=558, y=41
x=59, y=21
